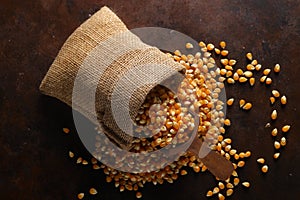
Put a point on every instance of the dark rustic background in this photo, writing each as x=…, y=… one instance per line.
x=33, y=150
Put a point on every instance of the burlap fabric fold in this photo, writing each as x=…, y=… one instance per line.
x=109, y=47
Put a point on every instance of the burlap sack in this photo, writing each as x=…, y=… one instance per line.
x=106, y=32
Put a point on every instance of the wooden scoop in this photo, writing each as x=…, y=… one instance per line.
x=218, y=165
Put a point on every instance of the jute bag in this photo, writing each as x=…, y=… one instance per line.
x=105, y=32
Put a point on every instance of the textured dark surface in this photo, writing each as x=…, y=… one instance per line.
x=33, y=150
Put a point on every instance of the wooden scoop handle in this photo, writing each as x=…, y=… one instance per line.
x=218, y=165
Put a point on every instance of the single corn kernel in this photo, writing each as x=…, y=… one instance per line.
x=249, y=56
x=276, y=155
x=189, y=45
x=224, y=61
x=283, y=100
x=265, y=168
x=242, y=79
x=274, y=132
x=221, y=185
x=79, y=160
x=242, y=155
x=275, y=93
x=247, y=154
x=236, y=76
x=262, y=79
x=260, y=160
x=221, y=196
x=266, y=72
x=236, y=181
x=272, y=100
x=258, y=67
x=71, y=154
x=216, y=190
x=224, y=53
x=241, y=163
x=218, y=51
x=247, y=106
x=232, y=152
x=283, y=141
x=227, y=122
x=274, y=115
x=210, y=47
x=227, y=140
x=250, y=67
x=277, y=68
x=232, y=62
x=229, y=192
x=277, y=145
x=268, y=81
x=246, y=184
x=93, y=191
x=183, y=172
x=252, y=81
x=177, y=53
x=138, y=195
x=242, y=103
x=254, y=62
x=230, y=101
x=239, y=72
x=66, y=130
x=230, y=81
x=229, y=185
x=209, y=193
x=228, y=67
x=223, y=44
x=84, y=162
x=248, y=74
x=286, y=128
x=202, y=44
x=234, y=173
x=80, y=195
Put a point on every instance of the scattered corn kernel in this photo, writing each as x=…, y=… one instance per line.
x=227, y=122
x=249, y=56
x=258, y=67
x=261, y=160
x=230, y=101
x=209, y=193
x=210, y=47
x=241, y=163
x=277, y=145
x=277, y=68
x=236, y=181
x=229, y=185
x=252, y=81
x=223, y=44
x=224, y=61
x=254, y=62
x=84, y=162
x=216, y=190
x=265, y=168
x=221, y=185
x=218, y=51
x=246, y=184
x=283, y=141
x=286, y=128
x=276, y=155
x=268, y=80
x=247, y=106
x=232, y=62
x=250, y=67
x=274, y=132
x=183, y=172
x=239, y=72
x=66, y=130
x=272, y=100
x=247, y=154
x=71, y=154
x=242, y=103
x=202, y=44
x=283, y=100
x=229, y=192
x=79, y=160
x=248, y=74
x=274, y=115
x=224, y=53
x=138, y=195
x=267, y=71
x=262, y=79
x=230, y=81
x=80, y=195
x=93, y=191
x=221, y=196
x=275, y=93
x=189, y=45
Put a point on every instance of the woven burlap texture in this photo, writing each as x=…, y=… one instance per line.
x=93, y=33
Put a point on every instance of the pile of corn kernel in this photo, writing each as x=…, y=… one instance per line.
x=199, y=92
